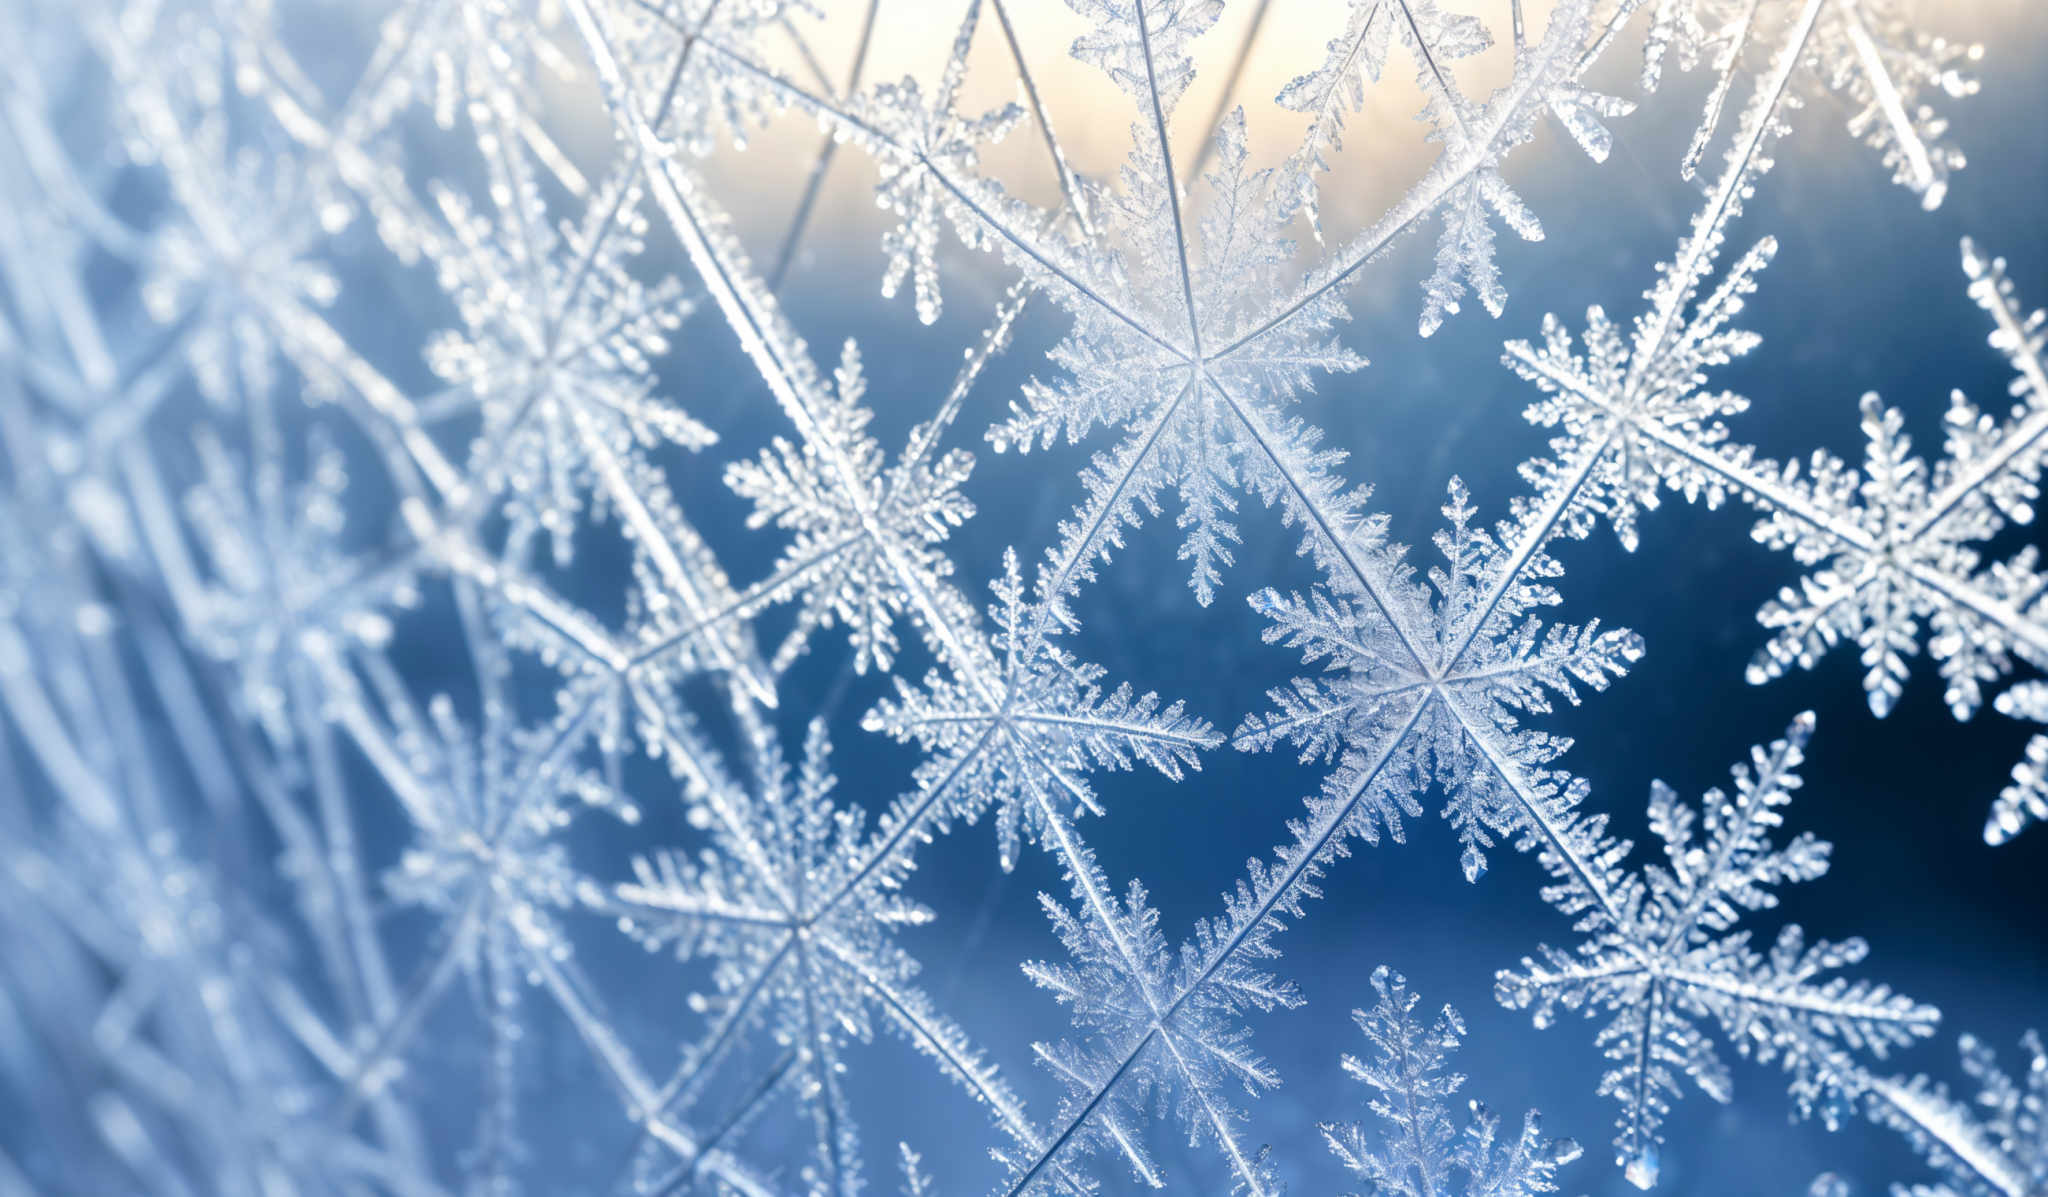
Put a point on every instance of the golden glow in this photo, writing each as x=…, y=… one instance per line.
x=1384, y=147
x=1092, y=119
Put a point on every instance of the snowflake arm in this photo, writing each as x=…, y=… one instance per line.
x=1359, y=53
x=1420, y=1150
x=1999, y=1148
x=1144, y=45
x=1863, y=50
x=1881, y=63
x=1547, y=72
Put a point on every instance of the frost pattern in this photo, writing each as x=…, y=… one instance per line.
x=1892, y=549
x=223, y=489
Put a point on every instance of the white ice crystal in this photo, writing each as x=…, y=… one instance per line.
x=1420, y=1149
x=1994, y=1146
x=1666, y=962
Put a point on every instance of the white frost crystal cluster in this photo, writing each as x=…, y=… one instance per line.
x=383, y=666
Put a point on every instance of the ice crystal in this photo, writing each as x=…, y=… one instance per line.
x=1028, y=745
x=925, y=134
x=2001, y=1148
x=1146, y=367
x=556, y=343
x=1355, y=56
x=1548, y=73
x=1421, y=1150
x=865, y=536
x=1160, y=1027
x=1666, y=960
x=1425, y=685
x=794, y=905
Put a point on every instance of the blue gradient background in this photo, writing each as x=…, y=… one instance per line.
x=1866, y=293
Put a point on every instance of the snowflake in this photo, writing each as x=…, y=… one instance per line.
x=1190, y=410
x=1420, y=1148
x=1431, y=685
x=794, y=906
x=1666, y=961
x=927, y=137
x=866, y=538
x=1161, y=1028
x=262, y=617
x=1893, y=547
x=1027, y=746
x=555, y=347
